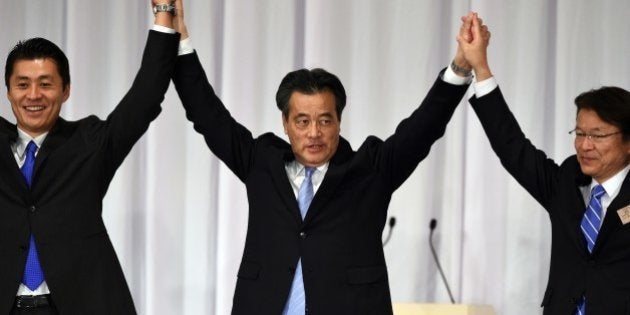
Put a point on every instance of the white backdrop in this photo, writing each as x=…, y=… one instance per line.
x=178, y=217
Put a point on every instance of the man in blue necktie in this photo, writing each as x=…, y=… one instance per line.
x=317, y=207
x=55, y=254
x=586, y=196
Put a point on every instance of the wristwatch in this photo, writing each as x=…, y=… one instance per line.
x=164, y=7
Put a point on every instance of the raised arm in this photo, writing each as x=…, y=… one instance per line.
x=141, y=104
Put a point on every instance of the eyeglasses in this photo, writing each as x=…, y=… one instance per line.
x=593, y=137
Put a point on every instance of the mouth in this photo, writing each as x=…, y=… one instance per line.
x=315, y=147
x=34, y=108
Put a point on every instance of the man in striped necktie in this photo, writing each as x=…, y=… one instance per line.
x=585, y=195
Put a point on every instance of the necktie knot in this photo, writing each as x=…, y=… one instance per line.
x=31, y=148
x=308, y=172
x=598, y=191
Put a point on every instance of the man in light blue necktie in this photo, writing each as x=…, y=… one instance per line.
x=322, y=254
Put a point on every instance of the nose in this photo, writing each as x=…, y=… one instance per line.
x=313, y=130
x=585, y=143
x=34, y=92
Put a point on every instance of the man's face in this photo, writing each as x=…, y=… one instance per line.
x=313, y=127
x=604, y=157
x=36, y=93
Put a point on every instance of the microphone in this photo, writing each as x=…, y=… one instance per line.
x=391, y=223
x=432, y=226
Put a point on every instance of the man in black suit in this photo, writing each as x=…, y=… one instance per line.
x=587, y=196
x=326, y=257
x=56, y=256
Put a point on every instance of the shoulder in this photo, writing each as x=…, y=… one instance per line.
x=87, y=126
x=6, y=126
x=570, y=167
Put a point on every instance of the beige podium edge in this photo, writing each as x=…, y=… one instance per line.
x=441, y=309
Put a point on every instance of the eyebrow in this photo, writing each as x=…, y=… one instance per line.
x=41, y=77
x=326, y=114
x=596, y=129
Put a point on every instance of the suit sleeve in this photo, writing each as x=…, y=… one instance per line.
x=411, y=142
x=141, y=104
x=528, y=165
x=227, y=139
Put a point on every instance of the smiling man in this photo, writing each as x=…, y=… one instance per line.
x=36, y=91
x=317, y=207
x=55, y=254
x=587, y=196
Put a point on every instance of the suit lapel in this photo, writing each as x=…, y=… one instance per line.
x=577, y=207
x=281, y=181
x=57, y=136
x=611, y=220
x=8, y=165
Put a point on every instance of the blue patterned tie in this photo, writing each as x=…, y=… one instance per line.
x=33, y=273
x=296, y=304
x=590, y=225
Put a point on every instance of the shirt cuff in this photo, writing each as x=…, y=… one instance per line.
x=451, y=77
x=185, y=47
x=163, y=29
x=484, y=87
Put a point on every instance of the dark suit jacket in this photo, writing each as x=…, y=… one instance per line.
x=73, y=169
x=603, y=276
x=340, y=238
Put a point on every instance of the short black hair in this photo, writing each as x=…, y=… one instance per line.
x=612, y=105
x=309, y=82
x=37, y=48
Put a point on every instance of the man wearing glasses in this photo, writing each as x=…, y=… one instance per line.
x=587, y=196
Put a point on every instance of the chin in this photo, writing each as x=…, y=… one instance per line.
x=587, y=171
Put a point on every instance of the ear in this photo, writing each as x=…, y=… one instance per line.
x=285, y=123
x=66, y=93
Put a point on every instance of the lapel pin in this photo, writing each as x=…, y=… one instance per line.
x=624, y=214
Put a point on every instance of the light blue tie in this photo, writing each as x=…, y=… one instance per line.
x=33, y=273
x=296, y=304
x=590, y=227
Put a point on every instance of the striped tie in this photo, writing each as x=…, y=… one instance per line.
x=296, y=304
x=590, y=225
x=592, y=219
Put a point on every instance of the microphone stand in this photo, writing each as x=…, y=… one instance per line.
x=432, y=226
x=391, y=223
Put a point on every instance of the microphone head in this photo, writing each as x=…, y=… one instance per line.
x=433, y=224
x=392, y=222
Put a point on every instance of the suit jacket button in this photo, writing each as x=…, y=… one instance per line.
x=303, y=235
x=32, y=209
